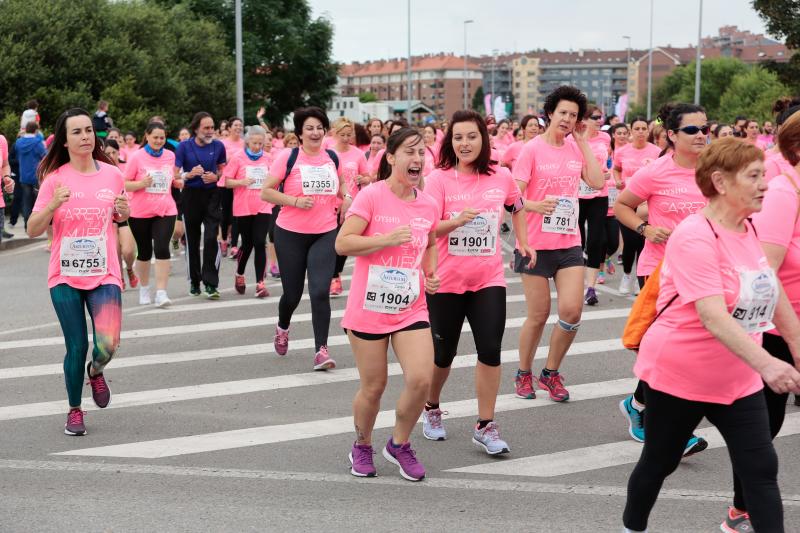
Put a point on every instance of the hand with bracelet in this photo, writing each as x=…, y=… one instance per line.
x=654, y=234
x=303, y=202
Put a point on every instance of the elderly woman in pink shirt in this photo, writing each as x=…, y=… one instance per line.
x=703, y=356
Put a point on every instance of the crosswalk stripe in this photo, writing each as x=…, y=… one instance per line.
x=595, y=457
x=207, y=327
x=230, y=388
x=241, y=438
x=236, y=351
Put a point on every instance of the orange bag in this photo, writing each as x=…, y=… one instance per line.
x=643, y=313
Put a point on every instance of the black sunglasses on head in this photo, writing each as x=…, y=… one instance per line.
x=694, y=130
x=596, y=117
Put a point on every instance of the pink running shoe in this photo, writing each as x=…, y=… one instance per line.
x=261, y=290
x=554, y=385
x=74, y=426
x=281, y=341
x=100, y=392
x=239, y=283
x=223, y=248
x=523, y=386
x=336, y=287
x=323, y=361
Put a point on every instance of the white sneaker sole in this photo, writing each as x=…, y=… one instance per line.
x=330, y=364
x=165, y=303
x=443, y=437
x=388, y=457
x=485, y=448
x=358, y=474
x=71, y=434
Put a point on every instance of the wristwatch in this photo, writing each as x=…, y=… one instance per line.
x=640, y=228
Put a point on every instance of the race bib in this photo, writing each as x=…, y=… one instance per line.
x=319, y=180
x=585, y=190
x=162, y=180
x=758, y=297
x=613, y=194
x=564, y=218
x=83, y=256
x=391, y=290
x=258, y=174
x=477, y=238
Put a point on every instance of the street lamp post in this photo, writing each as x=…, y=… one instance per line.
x=650, y=67
x=699, y=56
x=239, y=73
x=627, y=69
x=408, y=68
x=494, y=60
x=466, y=90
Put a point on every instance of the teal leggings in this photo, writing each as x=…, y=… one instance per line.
x=104, y=304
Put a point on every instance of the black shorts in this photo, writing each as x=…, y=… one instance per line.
x=120, y=224
x=548, y=262
x=381, y=336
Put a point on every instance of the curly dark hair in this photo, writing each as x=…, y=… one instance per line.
x=671, y=115
x=565, y=92
x=305, y=113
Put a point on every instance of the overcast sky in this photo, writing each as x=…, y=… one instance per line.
x=376, y=29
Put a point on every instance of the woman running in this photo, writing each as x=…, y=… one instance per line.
x=620, y=136
x=149, y=178
x=530, y=129
x=702, y=357
x=313, y=193
x=228, y=232
x=389, y=229
x=548, y=172
x=627, y=161
x=594, y=205
x=471, y=194
x=245, y=175
x=81, y=193
x=669, y=187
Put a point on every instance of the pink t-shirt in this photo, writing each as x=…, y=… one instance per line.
x=277, y=144
x=322, y=217
x=601, y=147
x=247, y=200
x=86, y=218
x=3, y=159
x=671, y=194
x=550, y=171
x=384, y=212
x=488, y=194
x=328, y=142
x=374, y=162
x=678, y=355
x=231, y=147
x=146, y=204
x=431, y=157
x=512, y=153
x=775, y=164
x=352, y=163
x=628, y=159
x=777, y=223
x=126, y=152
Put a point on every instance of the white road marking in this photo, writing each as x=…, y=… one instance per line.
x=257, y=436
x=206, y=327
x=323, y=477
x=595, y=457
x=229, y=388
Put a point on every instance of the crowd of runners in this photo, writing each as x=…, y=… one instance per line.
x=705, y=212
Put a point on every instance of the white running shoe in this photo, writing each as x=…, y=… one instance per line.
x=432, y=427
x=144, y=295
x=162, y=300
x=489, y=439
x=626, y=284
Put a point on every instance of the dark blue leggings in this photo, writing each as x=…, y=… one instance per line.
x=104, y=304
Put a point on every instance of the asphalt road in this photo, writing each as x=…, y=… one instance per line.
x=209, y=430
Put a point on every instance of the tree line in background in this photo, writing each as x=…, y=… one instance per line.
x=166, y=57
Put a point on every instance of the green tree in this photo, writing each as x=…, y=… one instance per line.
x=367, y=97
x=286, y=55
x=717, y=75
x=143, y=58
x=477, y=101
x=782, y=18
x=751, y=94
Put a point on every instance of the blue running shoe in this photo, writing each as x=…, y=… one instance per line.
x=695, y=445
x=635, y=419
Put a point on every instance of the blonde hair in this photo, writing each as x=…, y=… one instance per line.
x=341, y=123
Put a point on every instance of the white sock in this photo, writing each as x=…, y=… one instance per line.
x=161, y=292
x=626, y=530
x=144, y=288
x=636, y=405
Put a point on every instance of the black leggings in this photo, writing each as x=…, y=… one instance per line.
x=227, y=213
x=298, y=253
x=776, y=406
x=340, y=261
x=612, y=235
x=744, y=425
x=633, y=244
x=152, y=235
x=485, y=310
x=593, y=213
x=254, y=229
